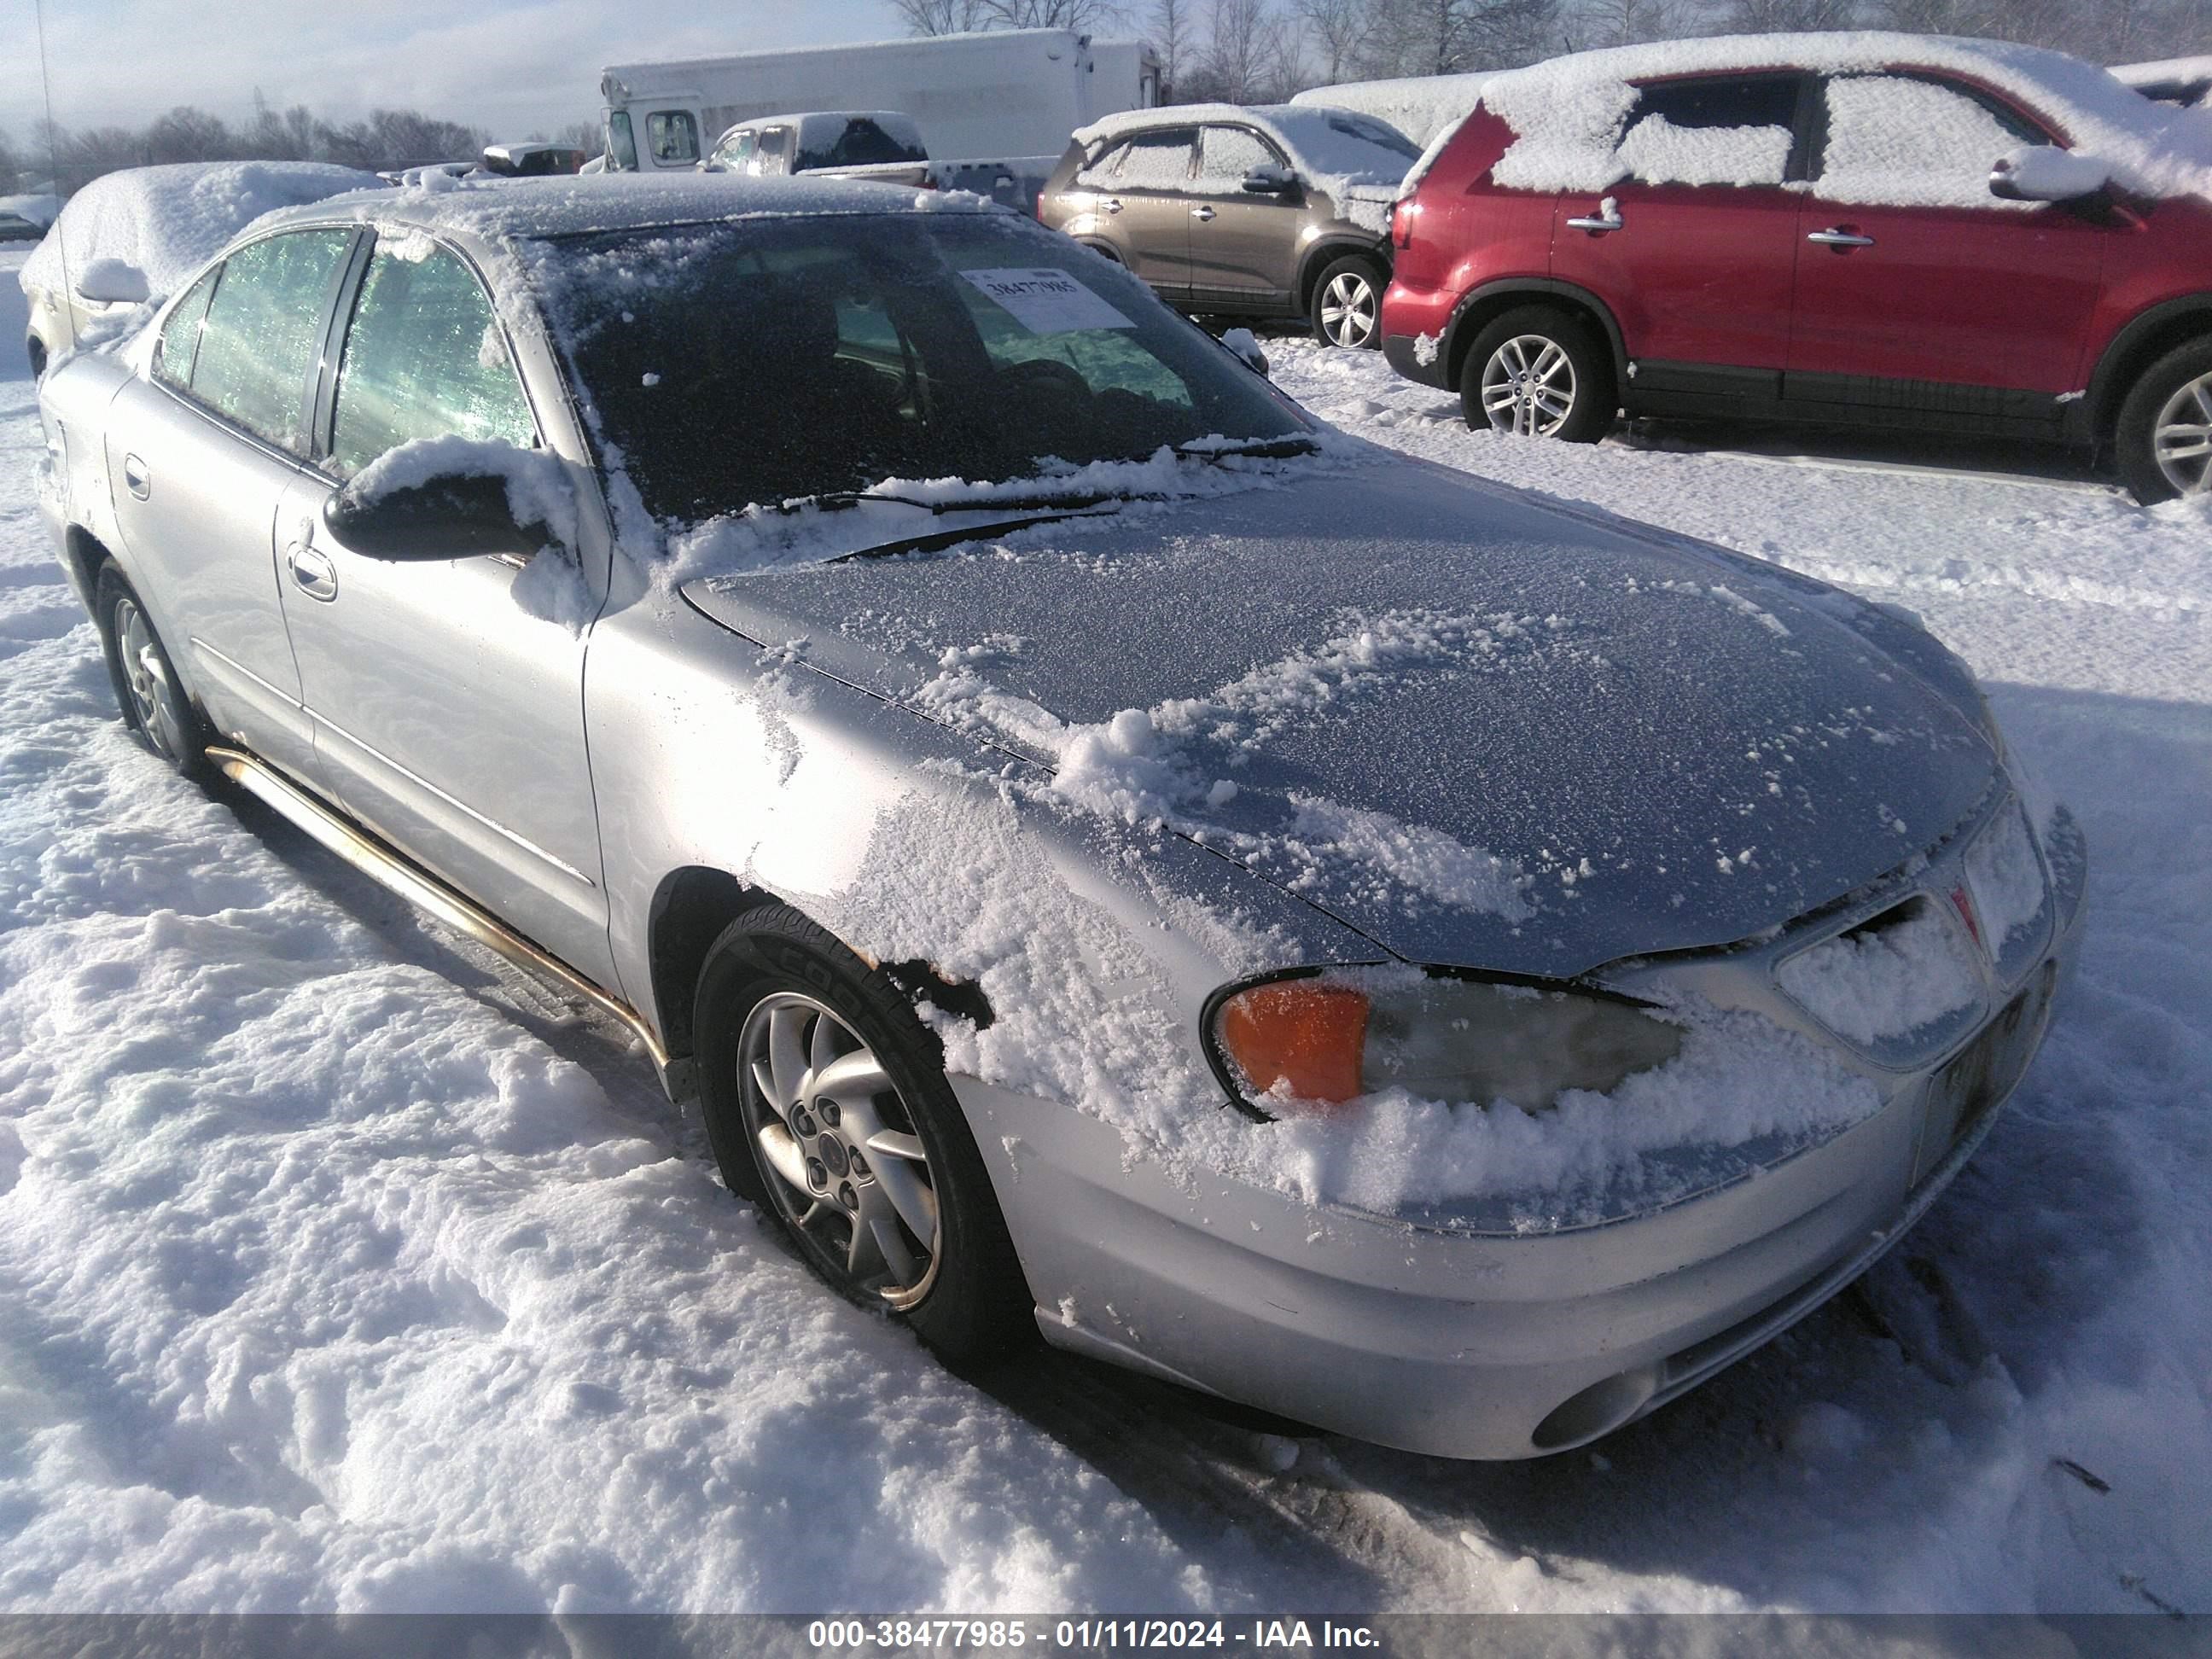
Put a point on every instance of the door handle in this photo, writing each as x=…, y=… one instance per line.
x=1201, y=213
x=135, y=478
x=1834, y=237
x=1112, y=204
x=312, y=572
x=1607, y=220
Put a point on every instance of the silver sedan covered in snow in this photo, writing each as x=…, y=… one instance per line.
x=1111, y=857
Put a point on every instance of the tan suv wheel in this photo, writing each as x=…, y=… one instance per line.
x=1346, y=308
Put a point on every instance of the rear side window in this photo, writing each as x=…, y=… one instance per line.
x=1713, y=131
x=424, y=358
x=181, y=335
x=1156, y=160
x=673, y=136
x=774, y=153
x=263, y=327
x=1908, y=141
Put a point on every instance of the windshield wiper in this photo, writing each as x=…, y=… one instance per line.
x=835, y=500
x=1266, y=449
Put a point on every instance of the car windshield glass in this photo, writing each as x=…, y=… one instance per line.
x=1379, y=134
x=730, y=364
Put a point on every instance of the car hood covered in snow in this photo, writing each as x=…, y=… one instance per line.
x=1484, y=731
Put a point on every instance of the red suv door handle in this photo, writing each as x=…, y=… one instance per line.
x=1834, y=238
x=1611, y=220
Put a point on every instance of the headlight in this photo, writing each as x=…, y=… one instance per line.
x=1326, y=1038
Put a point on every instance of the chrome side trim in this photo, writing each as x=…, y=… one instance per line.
x=382, y=865
x=203, y=648
x=325, y=723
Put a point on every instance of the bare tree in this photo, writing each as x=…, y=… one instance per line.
x=1451, y=37
x=939, y=16
x=186, y=134
x=1770, y=16
x=1625, y=22
x=1337, y=27
x=1170, y=31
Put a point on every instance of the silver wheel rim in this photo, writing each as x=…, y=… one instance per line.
x=1529, y=386
x=2181, y=437
x=1348, y=309
x=153, y=697
x=845, y=1166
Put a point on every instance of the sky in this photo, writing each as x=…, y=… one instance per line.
x=508, y=67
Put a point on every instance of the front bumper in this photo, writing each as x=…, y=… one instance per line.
x=1474, y=1345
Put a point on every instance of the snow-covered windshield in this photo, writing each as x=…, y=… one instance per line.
x=746, y=362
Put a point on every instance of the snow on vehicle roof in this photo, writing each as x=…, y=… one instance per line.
x=1569, y=112
x=519, y=209
x=1341, y=147
x=2165, y=69
x=169, y=221
x=1422, y=106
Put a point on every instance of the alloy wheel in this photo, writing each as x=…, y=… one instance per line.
x=1348, y=309
x=2181, y=437
x=153, y=693
x=1529, y=386
x=848, y=1170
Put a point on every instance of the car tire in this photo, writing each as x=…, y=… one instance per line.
x=880, y=1189
x=1539, y=372
x=155, y=706
x=2163, y=439
x=1346, y=308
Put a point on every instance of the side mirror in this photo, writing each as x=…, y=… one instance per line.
x=111, y=282
x=2045, y=173
x=447, y=515
x=1246, y=346
x=1269, y=181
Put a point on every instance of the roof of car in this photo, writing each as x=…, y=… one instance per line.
x=516, y=210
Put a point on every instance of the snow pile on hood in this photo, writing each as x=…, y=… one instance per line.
x=1569, y=113
x=1424, y=107
x=169, y=221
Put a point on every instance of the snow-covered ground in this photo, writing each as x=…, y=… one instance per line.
x=339, y=1269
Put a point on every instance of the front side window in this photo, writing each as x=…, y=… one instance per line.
x=1227, y=156
x=673, y=137
x=424, y=358
x=1907, y=141
x=732, y=364
x=181, y=335
x=263, y=327
x=622, y=143
x=1713, y=131
x=736, y=150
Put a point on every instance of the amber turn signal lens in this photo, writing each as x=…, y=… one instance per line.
x=1299, y=1035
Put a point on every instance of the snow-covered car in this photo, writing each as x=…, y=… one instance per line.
x=2186, y=82
x=25, y=218
x=882, y=146
x=1112, y=857
x=1275, y=210
x=1855, y=229
x=131, y=236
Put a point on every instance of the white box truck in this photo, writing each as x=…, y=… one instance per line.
x=992, y=107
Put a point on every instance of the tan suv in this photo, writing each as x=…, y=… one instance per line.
x=1280, y=211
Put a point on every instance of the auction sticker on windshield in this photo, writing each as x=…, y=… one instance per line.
x=1047, y=302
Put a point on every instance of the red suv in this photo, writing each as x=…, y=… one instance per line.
x=1856, y=229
